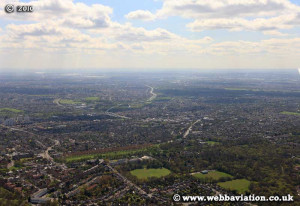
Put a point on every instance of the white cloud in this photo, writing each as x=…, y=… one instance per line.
x=52, y=36
x=282, y=47
x=196, y=9
x=234, y=15
x=238, y=24
x=275, y=33
x=86, y=36
x=132, y=34
x=141, y=15
x=78, y=15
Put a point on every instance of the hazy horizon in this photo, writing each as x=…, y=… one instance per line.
x=146, y=70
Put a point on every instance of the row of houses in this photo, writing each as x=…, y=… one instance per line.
x=37, y=198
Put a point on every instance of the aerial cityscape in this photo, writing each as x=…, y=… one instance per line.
x=149, y=103
x=140, y=138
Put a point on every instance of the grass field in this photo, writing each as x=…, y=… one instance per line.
x=290, y=113
x=107, y=155
x=15, y=168
x=92, y=99
x=22, y=160
x=68, y=101
x=146, y=173
x=215, y=175
x=212, y=143
x=10, y=110
x=240, y=185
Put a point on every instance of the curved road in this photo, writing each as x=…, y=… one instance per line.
x=56, y=101
x=46, y=153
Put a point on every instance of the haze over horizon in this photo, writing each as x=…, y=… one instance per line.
x=150, y=34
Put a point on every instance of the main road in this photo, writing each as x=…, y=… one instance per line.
x=187, y=132
x=128, y=182
x=56, y=101
x=46, y=153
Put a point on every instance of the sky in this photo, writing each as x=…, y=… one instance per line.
x=151, y=34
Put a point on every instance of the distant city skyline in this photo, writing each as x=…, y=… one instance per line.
x=150, y=34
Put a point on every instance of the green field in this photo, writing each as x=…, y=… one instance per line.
x=212, y=143
x=107, y=155
x=15, y=168
x=22, y=160
x=137, y=106
x=290, y=113
x=92, y=99
x=146, y=173
x=68, y=101
x=10, y=110
x=240, y=185
x=215, y=175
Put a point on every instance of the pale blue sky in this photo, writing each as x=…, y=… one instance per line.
x=174, y=24
x=152, y=34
